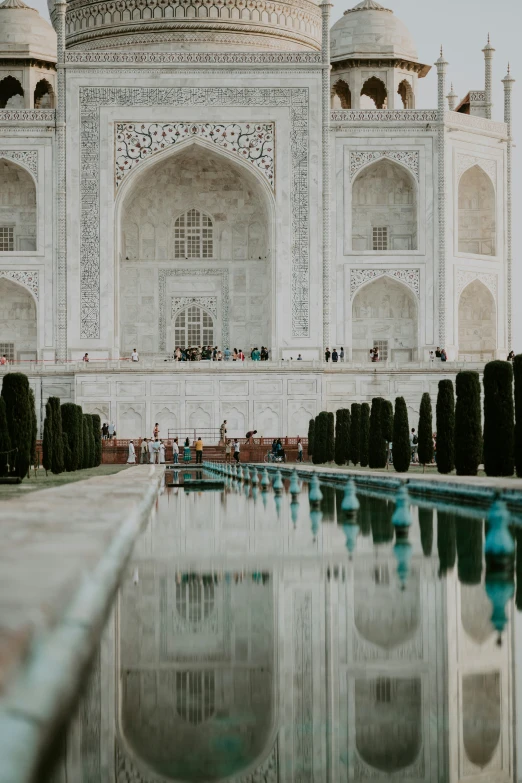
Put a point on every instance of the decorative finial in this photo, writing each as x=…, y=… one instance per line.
x=508, y=78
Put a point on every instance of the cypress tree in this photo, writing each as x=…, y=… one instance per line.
x=355, y=434
x=330, y=449
x=426, y=530
x=446, y=545
x=320, y=438
x=468, y=431
x=499, y=422
x=347, y=434
x=15, y=391
x=70, y=426
x=67, y=453
x=311, y=430
x=365, y=434
x=79, y=425
x=34, y=427
x=380, y=521
x=378, y=449
x=425, y=449
x=87, y=437
x=387, y=425
x=339, y=437
x=5, y=441
x=57, y=461
x=96, y=434
x=445, y=427
x=469, y=550
x=517, y=371
x=401, y=437
x=47, y=441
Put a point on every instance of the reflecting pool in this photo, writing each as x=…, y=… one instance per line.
x=257, y=639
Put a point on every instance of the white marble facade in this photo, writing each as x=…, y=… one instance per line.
x=187, y=196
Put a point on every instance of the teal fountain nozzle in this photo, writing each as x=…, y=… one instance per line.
x=255, y=477
x=265, y=480
x=401, y=518
x=350, y=503
x=278, y=483
x=295, y=487
x=499, y=547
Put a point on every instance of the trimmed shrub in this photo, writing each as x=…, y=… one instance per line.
x=499, y=419
x=96, y=434
x=469, y=550
x=355, y=434
x=468, y=431
x=342, y=435
x=401, y=437
x=5, y=441
x=378, y=448
x=311, y=431
x=365, y=434
x=320, y=438
x=446, y=545
x=330, y=442
x=70, y=425
x=15, y=391
x=34, y=427
x=445, y=427
x=47, y=441
x=67, y=454
x=57, y=459
x=87, y=441
x=517, y=371
x=425, y=448
x=387, y=420
x=79, y=424
x=426, y=530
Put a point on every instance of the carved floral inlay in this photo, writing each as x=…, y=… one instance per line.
x=26, y=278
x=28, y=158
x=207, y=302
x=136, y=141
x=408, y=158
x=410, y=277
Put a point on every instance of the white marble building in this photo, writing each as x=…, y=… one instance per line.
x=240, y=174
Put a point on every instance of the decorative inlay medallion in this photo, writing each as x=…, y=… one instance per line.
x=28, y=158
x=26, y=278
x=410, y=277
x=136, y=141
x=408, y=158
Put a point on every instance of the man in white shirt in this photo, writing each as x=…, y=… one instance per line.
x=156, y=449
x=134, y=355
x=175, y=452
x=151, y=451
x=236, y=449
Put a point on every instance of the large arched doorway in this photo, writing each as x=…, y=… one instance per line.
x=384, y=315
x=18, y=325
x=384, y=208
x=477, y=232
x=17, y=208
x=195, y=255
x=477, y=323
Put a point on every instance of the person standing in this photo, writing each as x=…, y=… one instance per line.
x=175, y=452
x=443, y=355
x=162, y=453
x=156, y=446
x=341, y=354
x=236, y=449
x=131, y=458
x=228, y=451
x=156, y=431
x=143, y=451
x=199, y=452
x=111, y=431
x=223, y=432
x=151, y=451
x=299, y=450
x=414, y=444
x=85, y=357
x=134, y=355
x=335, y=355
x=186, y=450
x=226, y=354
x=105, y=431
x=327, y=355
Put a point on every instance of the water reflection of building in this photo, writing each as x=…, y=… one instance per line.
x=242, y=650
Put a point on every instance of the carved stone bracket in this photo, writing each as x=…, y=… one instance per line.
x=29, y=279
x=410, y=277
x=465, y=162
x=28, y=158
x=465, y=277
x=408, y=158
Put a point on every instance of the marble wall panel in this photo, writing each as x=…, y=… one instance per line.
x=95, y=389
x=343, y=386
x=268, y=417
x=196, y=388
x=167, y=417
x=409, y=387
x=102, y=409
x=375, y=388
x=17, y=317
x=165, y=388
x=233, y=388
x=130, y=419
x=271, y=387
x=302, y=386
x=61, y=390
x=199, y=415
x=299, y=413
x=236, y=415
x=131, y=389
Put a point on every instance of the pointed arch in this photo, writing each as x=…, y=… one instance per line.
x=10, y=88
x=476, y=213
x=407, y=95
x=18, y=320
x=477, y=323
x=43, y=95
x=341, y=95
x=17, y=207
x=375, y=89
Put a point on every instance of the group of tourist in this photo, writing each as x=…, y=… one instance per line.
x=108, y=430
x=335, y=355
x=211, y=353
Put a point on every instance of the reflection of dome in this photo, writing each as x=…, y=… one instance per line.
x=24, y=34
x=371, y=31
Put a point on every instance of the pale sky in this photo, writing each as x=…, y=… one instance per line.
x=462, y=26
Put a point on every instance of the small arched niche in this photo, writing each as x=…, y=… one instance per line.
x=384, y=314
x=341, y=95
x=18, y=325
x=43, y=95
x=477, y=221
x=407, y=95
x=481, y=716
x=384, y=208
x=388, y=722
x=477, y=323
x=374, y=94
x=11, y=94
x=17, y=208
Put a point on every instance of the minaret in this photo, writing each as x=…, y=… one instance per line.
x=441, y=142
x=488, y=58
x=452, y=99
x=325, y=50
x=508, y=81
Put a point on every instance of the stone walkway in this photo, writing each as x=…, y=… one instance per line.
x=62, y=554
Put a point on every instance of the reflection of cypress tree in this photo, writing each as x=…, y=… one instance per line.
x=518, y=597
x=365, y=434
x=382, y=528
x=364, y=515
x=426, y=530
x=469, y=550
x=328, y=503
x=339, y=493
x=446, y=545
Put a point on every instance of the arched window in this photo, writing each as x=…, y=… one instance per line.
x=195, y=599
x=11, y=93
x=406, y=92
x=43, y=95
x=341, y=95
x=193, y=326
x=193, y=235
x=476, y=213
x=17, y=208
x=195, y=696
x=375, y=90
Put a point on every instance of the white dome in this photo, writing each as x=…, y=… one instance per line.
x=371, y=31
x=24, y=34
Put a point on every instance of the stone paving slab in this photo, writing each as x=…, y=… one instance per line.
x=63, y=550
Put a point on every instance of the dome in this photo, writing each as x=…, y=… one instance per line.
x=24, y=34
x=194, y=25
x=371, y=31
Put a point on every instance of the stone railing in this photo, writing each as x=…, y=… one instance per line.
x=27, y=115
x=384, y=115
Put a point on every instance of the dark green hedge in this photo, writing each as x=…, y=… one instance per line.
x=355, y=434
x=70, y=426
x=5, y=441
x=320, y=439
x=499, y=419
x=378, y=446
x=15, y=391
x=47, y=441
x=365, y=434
x=445, y=427
x=330, y=448
x=401, y=451
x=96, y=434
x=387, y=420
x=517, y=371
x=88, y=442
x=342, y=436
x=468, y=429
x=425, y=448
x=311, y=431
x=57, y=459
x=34, y=427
